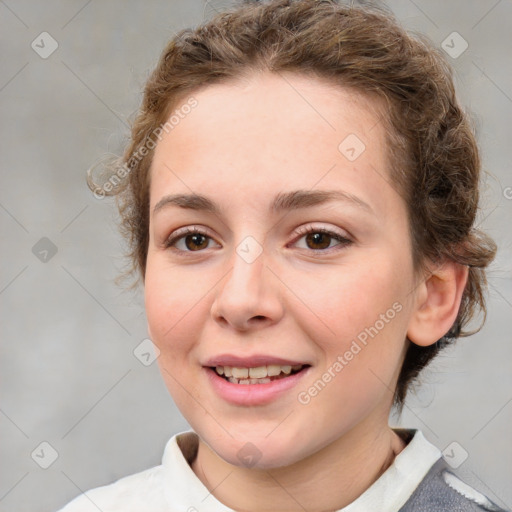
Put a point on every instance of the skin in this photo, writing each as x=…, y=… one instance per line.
x=245, y=142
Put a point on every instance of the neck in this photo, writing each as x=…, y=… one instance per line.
x=330, y=479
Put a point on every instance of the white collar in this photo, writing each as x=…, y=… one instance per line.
x=389, y=493
x=184, y=490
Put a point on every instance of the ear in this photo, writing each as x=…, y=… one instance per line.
x=437, y=303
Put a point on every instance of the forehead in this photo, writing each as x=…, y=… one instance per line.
x=271, y=131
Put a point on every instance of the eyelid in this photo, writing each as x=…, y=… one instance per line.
x=311, y=228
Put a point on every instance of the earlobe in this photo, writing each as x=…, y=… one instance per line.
x=438, y=303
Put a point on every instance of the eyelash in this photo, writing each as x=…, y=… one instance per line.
x=303, y=231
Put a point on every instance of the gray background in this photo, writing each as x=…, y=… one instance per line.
x=69, y=375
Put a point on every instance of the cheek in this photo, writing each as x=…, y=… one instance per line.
x=343, y=303
x=173, y=306
x=172, y=300
x=360, y=331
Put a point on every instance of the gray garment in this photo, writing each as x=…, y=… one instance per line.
x=442, y=491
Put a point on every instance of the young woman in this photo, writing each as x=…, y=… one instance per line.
x=300, y=194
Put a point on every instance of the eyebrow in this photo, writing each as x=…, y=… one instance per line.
x=284, y=201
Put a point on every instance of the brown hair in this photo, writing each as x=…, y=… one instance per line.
x=434, y=160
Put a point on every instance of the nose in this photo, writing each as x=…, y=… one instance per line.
x=249, y=296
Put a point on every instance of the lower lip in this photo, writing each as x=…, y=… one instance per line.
x=253, y=394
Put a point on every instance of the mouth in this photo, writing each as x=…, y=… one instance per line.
x=255, y=380
x=264, y=374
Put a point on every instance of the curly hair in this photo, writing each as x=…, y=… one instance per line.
x=433, y=155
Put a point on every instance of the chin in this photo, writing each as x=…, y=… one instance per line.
x=258, y=452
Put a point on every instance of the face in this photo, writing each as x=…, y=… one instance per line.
x=301, y=300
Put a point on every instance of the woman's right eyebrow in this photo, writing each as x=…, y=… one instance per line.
x=283, y=201
x=188, y=201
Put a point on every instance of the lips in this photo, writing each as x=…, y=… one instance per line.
x=256, y=390
x=254, y=361
x=253, y=380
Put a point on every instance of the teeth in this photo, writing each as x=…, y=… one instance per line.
x=240, y=373
x=258, y=374
x=273, y=370
x=249, y=381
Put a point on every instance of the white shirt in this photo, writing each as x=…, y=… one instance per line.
x=174, y=487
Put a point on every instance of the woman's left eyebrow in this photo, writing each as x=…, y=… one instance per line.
x=284, y=201
x=294, y=200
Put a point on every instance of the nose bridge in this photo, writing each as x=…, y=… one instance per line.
x=248, y=258
x=246, y=277
x=246, y=292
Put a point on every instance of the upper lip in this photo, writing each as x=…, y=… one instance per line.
x=250, y=362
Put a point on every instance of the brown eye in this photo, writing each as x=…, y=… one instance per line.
x=197, y=241
x=191, y=240
x=318, y=240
